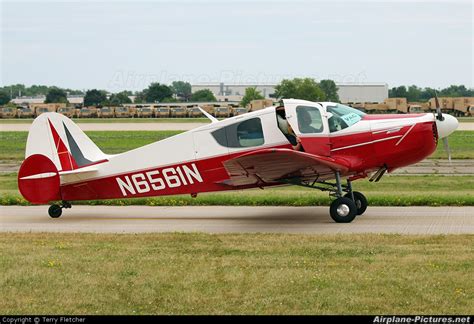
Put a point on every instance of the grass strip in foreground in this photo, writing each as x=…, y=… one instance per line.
x=236, y=274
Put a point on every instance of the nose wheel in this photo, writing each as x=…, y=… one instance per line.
x=56, y=210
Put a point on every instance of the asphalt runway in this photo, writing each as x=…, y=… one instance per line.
x=217, y=219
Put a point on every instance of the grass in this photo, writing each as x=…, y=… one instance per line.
x=12, y=144
x=181, y=273
x=430, y=190
x=115, y=120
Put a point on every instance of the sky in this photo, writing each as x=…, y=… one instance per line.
x=118, y=45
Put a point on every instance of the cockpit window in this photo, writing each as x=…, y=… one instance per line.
x=343, y=117
x=309, y=120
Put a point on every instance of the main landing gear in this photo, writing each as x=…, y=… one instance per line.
x=346, y=206
x=55, y=211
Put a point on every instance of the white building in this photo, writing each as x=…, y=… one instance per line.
x=348, y=92
x=73, y=99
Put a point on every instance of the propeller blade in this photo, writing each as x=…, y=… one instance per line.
x=439, y=115
x=446, y=148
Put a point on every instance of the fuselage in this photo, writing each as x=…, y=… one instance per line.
x=192, y=162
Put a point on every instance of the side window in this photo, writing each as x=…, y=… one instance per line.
x=309, y=120
x=247, y=133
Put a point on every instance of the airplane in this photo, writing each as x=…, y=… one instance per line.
x=310, y=144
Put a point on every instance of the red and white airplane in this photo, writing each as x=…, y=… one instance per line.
x=300, y=143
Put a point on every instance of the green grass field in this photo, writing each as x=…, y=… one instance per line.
x=12, y=144
x=236, y=274
x=432, y=190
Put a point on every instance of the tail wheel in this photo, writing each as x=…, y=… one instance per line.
x=343, y=210
x=55, y=211
x=360, y=202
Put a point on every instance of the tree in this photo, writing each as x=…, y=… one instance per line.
x=330, y=90
x=120, y=98
x=4, y=97
x=203, y=95
x=251, y=94
x=94, y=97
x=400, y=92
x=182, y=90
x=413, y=93
x=156, y=92
x=56, y=95
x=298, y=88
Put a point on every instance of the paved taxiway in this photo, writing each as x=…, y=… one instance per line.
x=217, y=219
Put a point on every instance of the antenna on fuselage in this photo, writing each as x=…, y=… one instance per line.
x=212, y=118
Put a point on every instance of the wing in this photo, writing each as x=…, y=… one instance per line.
x=275, y=165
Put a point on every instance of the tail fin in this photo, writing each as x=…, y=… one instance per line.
x=63, y=142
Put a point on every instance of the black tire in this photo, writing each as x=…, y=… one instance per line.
x=55, y=211
x=343, y=210
x=360, y=202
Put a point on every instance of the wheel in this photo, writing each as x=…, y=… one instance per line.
x=343, y=210
x=55, y=211
x=360, y=201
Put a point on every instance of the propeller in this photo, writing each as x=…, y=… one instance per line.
x=439, y=116
x=446, y=148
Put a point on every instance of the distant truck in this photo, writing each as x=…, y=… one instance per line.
x=25, y=112
x=123, y=112
x=8, y=112
x=222, y=111
x=239, y=111
x=145, y=112
x=162, y=112
x=106, y=112
x=67, y=111
x=259, y=104
x=86, y=112
x=462, y=106
x=178, y=111
x=194, y=112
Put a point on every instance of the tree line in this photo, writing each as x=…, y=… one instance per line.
x=180, y=91
x=414, y=93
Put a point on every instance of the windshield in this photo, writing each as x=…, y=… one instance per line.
x=342, y=117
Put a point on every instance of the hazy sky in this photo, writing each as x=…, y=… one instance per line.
x=125, y=45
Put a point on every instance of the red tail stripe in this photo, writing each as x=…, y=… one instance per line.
x=65, y=158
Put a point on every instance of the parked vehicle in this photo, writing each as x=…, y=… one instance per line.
x=163, y=112
x=25, y=112
x=223, y=111
x=67, y=111
x=178, y=112
x=8, y=112
x=122, y=112
x=239, y=111
x=194, y=112
x=87, y=112
x=145, y=112
x=106, y=112
x=40, y=110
